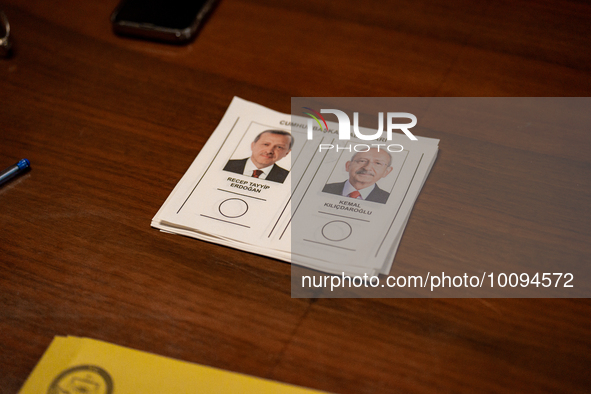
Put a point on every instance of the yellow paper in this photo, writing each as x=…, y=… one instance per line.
x=86, y=366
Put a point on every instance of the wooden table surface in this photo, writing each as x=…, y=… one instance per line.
x=111, y=124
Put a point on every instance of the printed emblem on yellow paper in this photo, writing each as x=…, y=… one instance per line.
x=83, y=379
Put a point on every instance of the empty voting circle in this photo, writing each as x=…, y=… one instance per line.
x=336, y=230
x=233, y=207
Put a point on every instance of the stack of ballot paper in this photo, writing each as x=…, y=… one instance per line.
x=83, y=366
x=266, y=183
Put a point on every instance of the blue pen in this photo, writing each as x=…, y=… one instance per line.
x=14, y=170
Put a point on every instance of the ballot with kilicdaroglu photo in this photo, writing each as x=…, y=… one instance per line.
x=265, y=184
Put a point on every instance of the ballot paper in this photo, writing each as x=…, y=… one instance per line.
x=84, y=365
x=297, y=210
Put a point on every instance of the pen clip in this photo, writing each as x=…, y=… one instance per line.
x=5, y=38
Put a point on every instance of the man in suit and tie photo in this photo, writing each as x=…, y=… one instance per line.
x=267, y=148
x=365, y=169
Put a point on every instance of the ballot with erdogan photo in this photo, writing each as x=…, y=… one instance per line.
x=265, y=185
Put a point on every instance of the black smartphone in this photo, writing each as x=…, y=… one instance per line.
x=175, y=21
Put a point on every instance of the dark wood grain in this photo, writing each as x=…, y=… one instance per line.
x=110, y=125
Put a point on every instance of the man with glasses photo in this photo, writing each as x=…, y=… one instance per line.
x=365, y=169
